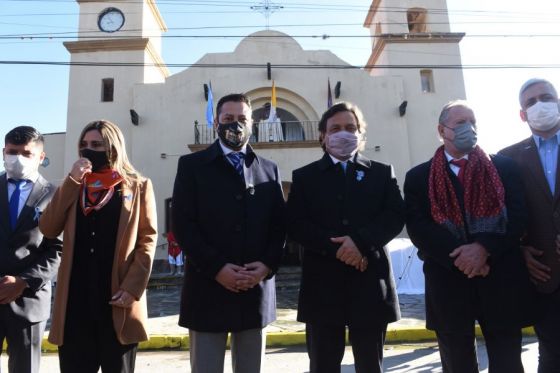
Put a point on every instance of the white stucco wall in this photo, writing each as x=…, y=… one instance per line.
x=54, y=151
x=423, y=108
x=169, y=106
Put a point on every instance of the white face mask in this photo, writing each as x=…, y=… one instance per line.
x=543, y=116
x=19, y=167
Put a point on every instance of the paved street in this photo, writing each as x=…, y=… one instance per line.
x=417, y=358
x=163, y=311
x=163, y=304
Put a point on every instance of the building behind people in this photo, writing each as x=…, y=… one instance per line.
x=107, y=212
x=229, y=218
x=466, y=214
x=344, y=209
x=537, y=156
x=28, y=261
x=170, y=103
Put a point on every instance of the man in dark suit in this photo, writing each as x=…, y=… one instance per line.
x=466, y=215
x=344, y=209
x=537, y=157
x=28, y=261
x=229, y=218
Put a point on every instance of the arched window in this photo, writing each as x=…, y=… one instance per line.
x=417, y=18
x=292, y=129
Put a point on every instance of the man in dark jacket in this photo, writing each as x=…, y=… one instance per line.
x=28, y=261
x=466, y=215
x=537, y=156
x=229, y=217
x=344, y=209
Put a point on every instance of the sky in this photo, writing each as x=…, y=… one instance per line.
x=507, y=42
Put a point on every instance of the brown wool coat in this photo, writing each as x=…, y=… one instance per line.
x=136, y=243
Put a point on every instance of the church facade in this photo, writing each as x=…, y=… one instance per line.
x=163, y=115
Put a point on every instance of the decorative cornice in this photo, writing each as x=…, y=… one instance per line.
x=371, y=13
x=151, y=3
x=113, y=45
x=268, y=145
x=416, y=38
x=157, y=15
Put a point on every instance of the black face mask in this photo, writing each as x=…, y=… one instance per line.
x=98, y=159
x=234, y=135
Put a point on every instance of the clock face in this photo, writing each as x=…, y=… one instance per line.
x=110, y=20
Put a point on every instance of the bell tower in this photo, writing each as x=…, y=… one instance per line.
x=118, y=47
x=417, y=33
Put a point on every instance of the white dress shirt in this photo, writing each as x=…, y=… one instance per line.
x=454, y=168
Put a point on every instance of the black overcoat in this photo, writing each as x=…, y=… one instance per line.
x=365, y=203
x=218, y=217
x=453, y=301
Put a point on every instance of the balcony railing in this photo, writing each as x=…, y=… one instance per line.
x=267, y=132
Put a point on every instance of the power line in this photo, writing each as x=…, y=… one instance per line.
x=286, y=66
x=308, y=6
x=426, y=36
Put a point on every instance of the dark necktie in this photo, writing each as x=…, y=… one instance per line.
x=14, y=201
x=461, y=163
x=236, y=159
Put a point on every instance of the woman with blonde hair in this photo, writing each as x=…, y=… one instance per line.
x=107, y=212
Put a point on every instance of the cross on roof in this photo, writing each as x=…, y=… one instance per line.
x=267, y=7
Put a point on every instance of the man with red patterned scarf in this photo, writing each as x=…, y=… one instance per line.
x=466, y=215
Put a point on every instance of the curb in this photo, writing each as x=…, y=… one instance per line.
x=402, y=334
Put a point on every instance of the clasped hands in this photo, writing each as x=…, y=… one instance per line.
x=237, y=278
x=349, y=254
x=471, y=259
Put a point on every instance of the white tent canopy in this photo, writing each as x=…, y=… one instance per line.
x=407, y=268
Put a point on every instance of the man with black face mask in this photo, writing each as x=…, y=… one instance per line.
x=28, y=261
x=228, y=216
x=466, y=215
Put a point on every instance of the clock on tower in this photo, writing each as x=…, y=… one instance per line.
x=110, y=20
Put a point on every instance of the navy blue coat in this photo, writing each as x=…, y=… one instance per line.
x=26, y=253
x=365, y=203
x=218, y=217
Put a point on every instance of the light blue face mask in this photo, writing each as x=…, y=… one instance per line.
x=465, y=137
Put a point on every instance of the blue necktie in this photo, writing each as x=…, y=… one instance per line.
x=236, y=159
x=14, y=201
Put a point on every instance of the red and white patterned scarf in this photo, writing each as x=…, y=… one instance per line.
x=484, y=196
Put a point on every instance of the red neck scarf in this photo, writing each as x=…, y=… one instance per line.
x=484, y=196
x=97, y=189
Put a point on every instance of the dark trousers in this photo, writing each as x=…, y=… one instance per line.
x=89, y=345
x=458, y=351
x=23, y=339
x=548, y=332
x=325, y=347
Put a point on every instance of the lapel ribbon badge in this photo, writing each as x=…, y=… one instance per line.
x=359, y=175
x=37, y=214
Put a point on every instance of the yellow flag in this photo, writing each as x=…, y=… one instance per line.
x=272, y=116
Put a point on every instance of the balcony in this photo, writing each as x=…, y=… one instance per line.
x=267, y=135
